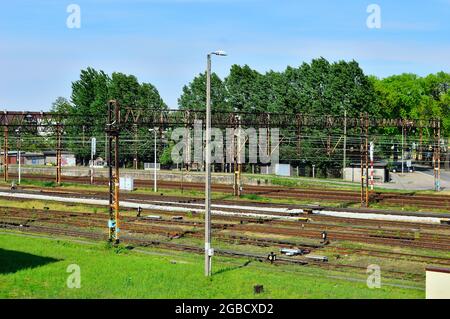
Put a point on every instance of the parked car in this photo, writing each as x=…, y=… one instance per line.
x=397, y=167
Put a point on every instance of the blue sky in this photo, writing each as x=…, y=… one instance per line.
x=165, y=42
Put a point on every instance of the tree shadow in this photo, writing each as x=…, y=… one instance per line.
x=12, y=261
x=226, y=269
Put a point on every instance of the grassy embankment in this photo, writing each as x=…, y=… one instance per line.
x=35, y=267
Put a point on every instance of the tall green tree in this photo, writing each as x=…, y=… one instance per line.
x=193, y=96
x=243, y=86
x=61, y=105
x=89, y=98
x=398, y=95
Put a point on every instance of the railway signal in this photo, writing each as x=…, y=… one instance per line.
x=272, y=257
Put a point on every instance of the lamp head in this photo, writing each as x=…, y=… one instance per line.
x=219, y=53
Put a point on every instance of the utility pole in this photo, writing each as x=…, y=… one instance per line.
x=238, y=172
x=93, y=151
x=403, y=148
x=19, y=146
x=155, y=187
x=364, y=160
x=437, y=155
x=208, y=250
x=236, y=157
x=135, y=159
x=344, y=161
x=5, y=154
x=113, y=130
x=58, y=154
x=83, y=142
x=367, y=159
x=299, y=140
x=372, y=149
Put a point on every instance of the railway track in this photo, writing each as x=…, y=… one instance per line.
x=243, y=207
x=374, y=231
x=392, y=273
x=342, y=196
x=183, y=228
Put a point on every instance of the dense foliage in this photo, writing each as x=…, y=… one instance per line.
x=319, y=87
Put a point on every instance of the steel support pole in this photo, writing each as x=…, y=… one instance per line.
x=367, y=160
x=371, y=166
x=92, y=166
x=240, y=149
x=344, y=161
x=155, y=187
x=135, y=159
x=112, y=130
x=109, y=160
x=420, y=157
x=58, y=154
x=236, y=159
x=299, y=139
x=5, y=154
x=437, y=156
x=361, y=150
x=19, y=146
x=19, y=173
x=403, y=149
x=116, y=179
x=208, y=251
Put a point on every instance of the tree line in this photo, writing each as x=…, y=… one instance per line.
x=318, y=87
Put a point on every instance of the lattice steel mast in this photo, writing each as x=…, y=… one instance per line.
x=113, y=131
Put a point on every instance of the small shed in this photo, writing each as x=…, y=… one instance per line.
x=67, y=158
x=277, y=169
x=12, y=157
x=380, y=172
x=31, y=158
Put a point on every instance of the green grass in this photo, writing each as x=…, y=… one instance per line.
x=35, y=267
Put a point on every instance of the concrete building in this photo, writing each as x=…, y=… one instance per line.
x=380, y=173
x=278, y=169
x=67, y=158
x=34, y=158
x=12, y=157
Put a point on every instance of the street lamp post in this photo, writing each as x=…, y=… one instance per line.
x=208, y=250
